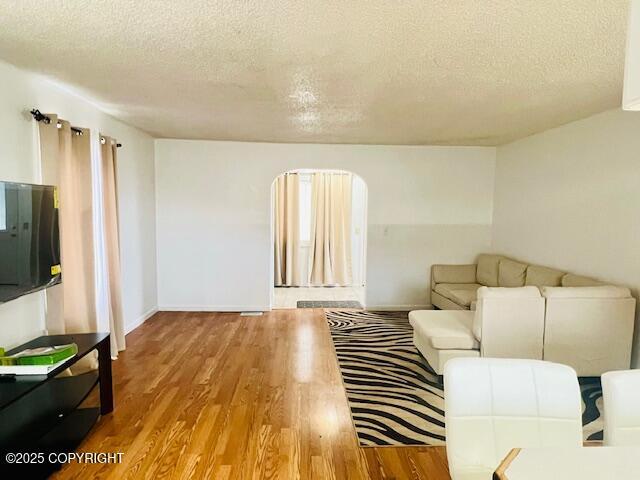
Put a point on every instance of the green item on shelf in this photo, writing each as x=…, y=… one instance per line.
x=4, y=360
x=45, y=355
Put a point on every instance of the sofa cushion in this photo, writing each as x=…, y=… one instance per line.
x=571, y=280
x=445, y=329
x=443, y=303
x=453, y=273
x=487, y=271
x=460, y=293
x=538, y=276
x=511, y=273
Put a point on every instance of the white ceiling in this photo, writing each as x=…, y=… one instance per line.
x=466, y=72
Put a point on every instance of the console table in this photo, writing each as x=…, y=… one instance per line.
x=43, y=413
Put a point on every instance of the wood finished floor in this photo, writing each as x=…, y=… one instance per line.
x=220, y=396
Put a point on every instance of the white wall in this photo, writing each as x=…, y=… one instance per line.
x=358, y=230
x=426, y=205
x=570, y=198
x=23, y=319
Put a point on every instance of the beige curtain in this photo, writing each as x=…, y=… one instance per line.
x=66, y=162
x=330, y=229
x=288, y=261
x=108, y=163
x=49, y=167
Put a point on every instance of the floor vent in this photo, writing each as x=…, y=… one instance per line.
x=250, y=314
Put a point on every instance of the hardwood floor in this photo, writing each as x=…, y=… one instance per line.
x=220, y=396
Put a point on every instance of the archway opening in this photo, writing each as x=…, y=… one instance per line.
x=319, y=239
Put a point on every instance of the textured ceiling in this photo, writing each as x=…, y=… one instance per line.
x=466, y=72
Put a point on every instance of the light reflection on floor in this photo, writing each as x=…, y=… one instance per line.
x=304, y=354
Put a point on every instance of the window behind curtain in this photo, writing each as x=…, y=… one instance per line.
x=305, y=208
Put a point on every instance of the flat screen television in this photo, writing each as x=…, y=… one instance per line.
x=29, y=239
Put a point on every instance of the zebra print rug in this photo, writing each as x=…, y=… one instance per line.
x=394, y=396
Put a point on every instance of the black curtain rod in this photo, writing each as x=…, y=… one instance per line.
x=38, y=116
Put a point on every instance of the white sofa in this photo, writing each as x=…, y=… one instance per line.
x=507, y=323
x=494, y=405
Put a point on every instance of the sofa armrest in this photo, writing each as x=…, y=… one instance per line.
x=453, y=274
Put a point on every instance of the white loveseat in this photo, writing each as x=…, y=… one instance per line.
x=507, y=323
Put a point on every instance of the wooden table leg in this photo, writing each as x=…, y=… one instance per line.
x=501, y=471
x=104, y=372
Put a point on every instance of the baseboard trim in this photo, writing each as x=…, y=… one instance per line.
x=140, y=320
x=214, y=308
x=264, y=308
x=398, y=308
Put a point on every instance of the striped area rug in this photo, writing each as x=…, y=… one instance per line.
x=394, y=396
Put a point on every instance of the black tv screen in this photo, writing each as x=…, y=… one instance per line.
x=29, y=239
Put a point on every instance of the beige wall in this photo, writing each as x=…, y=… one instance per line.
x=570, y=198
x=20, y=91
x=426, y=205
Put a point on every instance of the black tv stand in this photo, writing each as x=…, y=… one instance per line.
x=48, y=413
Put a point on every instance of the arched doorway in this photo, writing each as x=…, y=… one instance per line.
x=319, y=239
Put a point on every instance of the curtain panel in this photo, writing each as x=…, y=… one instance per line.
x=287, y=255
x=65, y=158
x=330, y=253
x=108, y=164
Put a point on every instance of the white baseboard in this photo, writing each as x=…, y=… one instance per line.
x=264, y=308
x=140, y=320
x=214, y=308
x=399, y=308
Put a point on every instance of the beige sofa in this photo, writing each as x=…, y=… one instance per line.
x=455, y=287
x=587, y=325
